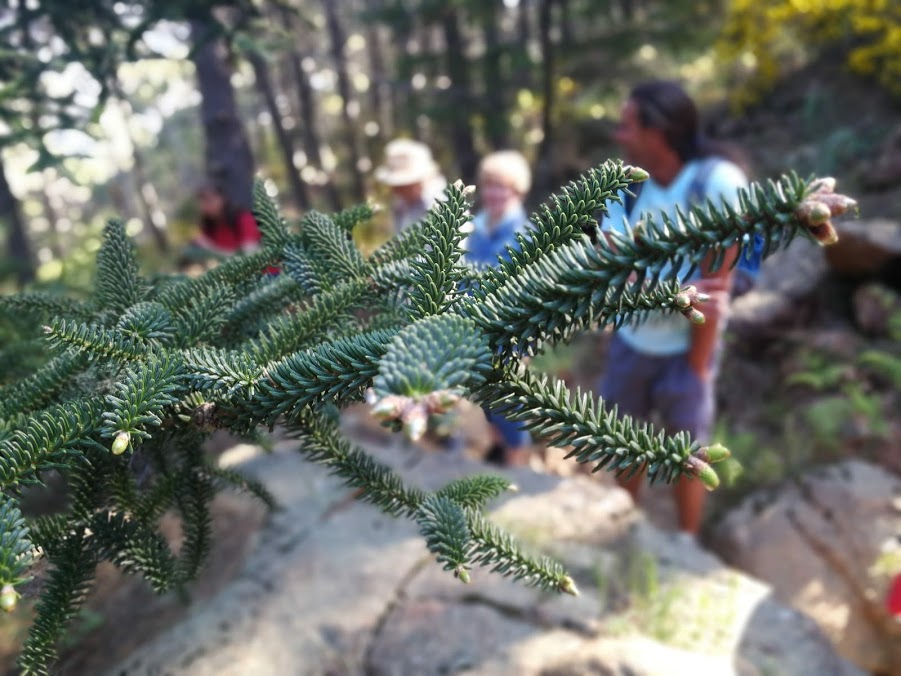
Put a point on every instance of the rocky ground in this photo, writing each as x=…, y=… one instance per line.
x=328, y=585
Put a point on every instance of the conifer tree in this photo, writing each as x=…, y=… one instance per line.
x=145, y=369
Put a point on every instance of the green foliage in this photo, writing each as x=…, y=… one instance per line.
x=147, y=371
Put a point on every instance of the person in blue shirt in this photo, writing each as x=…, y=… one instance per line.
x=666, y=366
x=503, y=182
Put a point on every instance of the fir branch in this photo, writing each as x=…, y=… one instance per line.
x=95, y=342
x=285, y=335
x=118, y=284
x=66, y=589
x=572, y=212
x=148, y=322
x=406, y=244
x=338, y=369
x=350, y=218
x=475, y=491
x=328, y=243
x=435, y=275
x=138, y=400
x=15, y=551
x=194, y=497
x=44, y=306
x=235, y=270
x=134, y=548
x=202, y=318
x=439, y=353
x=305, y=270
x=597, y=435
x=47, y=436
x=265, y=211
x=267, y=300
x=378, y=484
x=442, y=523
x=41, y=387
x=225, y=372
x=491, y=546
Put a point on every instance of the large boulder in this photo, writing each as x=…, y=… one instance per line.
x=816, y=541
x=336, y=587
x=787, y=280
x=865, y=249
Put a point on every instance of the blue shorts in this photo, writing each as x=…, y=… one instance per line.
x=512, y=433
x=642, y=385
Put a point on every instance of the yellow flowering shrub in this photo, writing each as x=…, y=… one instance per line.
x=764, y=35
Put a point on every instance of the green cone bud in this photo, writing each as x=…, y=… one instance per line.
x=715, y=453
x=462, y=573
x=703, y=471
x=682, y=300
x=568, y=586
x=121, y=442
x=824, y=233
x=636, y=174
x=694, y=316
x=9, y=598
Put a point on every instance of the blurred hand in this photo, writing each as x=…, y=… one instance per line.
x=719, y=290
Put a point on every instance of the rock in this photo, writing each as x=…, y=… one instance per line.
x=786, y=280
x=865, y=249
x=886, y=170
x=875, y=305
x=336, y=587
x=815, y=543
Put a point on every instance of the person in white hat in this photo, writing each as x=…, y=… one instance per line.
x=414, y=178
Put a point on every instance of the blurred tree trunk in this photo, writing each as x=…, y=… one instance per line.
x=567, y=35
x=18, y=248
x=495, y=108
x=309, y=122
x=52, y=219
x=285, y=143
x=154, y=218
x=546, y=159
x=408, y=101
x=459, y=96
x=228, y=158
x=378, y=77
x=337, y=40
x=522, y=75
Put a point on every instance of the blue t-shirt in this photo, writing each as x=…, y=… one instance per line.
x=671, y=334
x=483, y=245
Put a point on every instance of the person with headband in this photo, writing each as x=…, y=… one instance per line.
x=667, y=366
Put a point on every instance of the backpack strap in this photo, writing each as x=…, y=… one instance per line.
x=697, y=190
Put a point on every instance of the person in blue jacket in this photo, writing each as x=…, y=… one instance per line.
x=503, y=183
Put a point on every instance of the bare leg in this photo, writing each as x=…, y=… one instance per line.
x=690, y=495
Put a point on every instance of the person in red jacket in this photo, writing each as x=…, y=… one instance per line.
x=224, y=228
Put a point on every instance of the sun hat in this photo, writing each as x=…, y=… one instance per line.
x=406, y=162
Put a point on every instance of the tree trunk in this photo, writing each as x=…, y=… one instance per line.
x=285, y=144
x=522, y=75
x=495, y=109
x=567, y=35
x=154, y=217
x=378, y=87
x=18, y=247
x=337, y=40
x=309, y=124
x=546, y=159
x=459, y=97
x=229, y=161
x=52, y=219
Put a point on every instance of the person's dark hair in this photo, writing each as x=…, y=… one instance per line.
x=665, y=105
x=230, y=211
